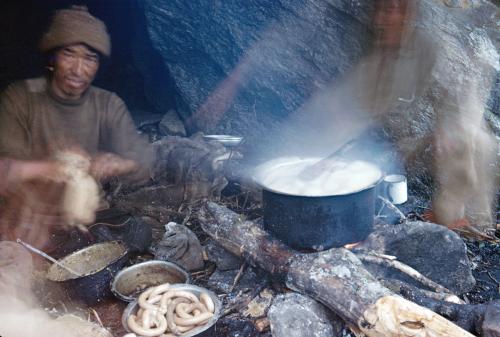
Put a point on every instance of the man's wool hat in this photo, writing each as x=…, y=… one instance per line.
x=76, y=25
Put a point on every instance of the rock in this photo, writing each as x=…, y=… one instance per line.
x=221, y=257
x=494, y=101
x=494, y=121
x=134, y=232
x=433, y=250
x=485, y=261
x=223, y=280
x=295, y=315
x=491, y=323
x=158, y=84
x=181, y=246
x=171, y=125
x=252, y=64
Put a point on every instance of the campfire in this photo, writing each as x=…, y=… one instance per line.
x=346, y=282
x=317, y=168
x=402, y=276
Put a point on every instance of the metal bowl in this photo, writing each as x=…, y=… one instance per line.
x=206, y=330
x=131, y=281
x=226, y=140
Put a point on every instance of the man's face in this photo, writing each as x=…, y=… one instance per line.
x=389, y=21
x=75, y=67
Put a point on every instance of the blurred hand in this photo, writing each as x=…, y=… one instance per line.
x=31, y=210
x=41, y=171
x=107, y=164
x=22, y=171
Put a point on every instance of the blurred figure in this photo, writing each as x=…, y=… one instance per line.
x=399, y=70
x=16, y=271
x=16, y=172
x=464, y=161
x=20, y=312
x=43, y=117
x=391, y=22
x=36, y=216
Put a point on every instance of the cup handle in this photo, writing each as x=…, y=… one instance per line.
x=385, y=191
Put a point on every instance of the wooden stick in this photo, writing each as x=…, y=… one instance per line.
x=398, y=286
x=238, y=275
x=393, y=207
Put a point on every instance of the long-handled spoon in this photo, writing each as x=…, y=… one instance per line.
x=48, y=257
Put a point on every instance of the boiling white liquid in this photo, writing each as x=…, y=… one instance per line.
x=341, y=177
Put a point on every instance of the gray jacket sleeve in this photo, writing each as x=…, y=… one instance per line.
x=15, y=139
x=121, y=137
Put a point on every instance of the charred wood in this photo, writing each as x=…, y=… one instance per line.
x=399, y=286
x=403, y=268
x=335, y=277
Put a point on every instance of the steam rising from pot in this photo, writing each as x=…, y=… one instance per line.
x=341, y=177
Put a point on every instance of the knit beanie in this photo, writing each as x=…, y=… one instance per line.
x=76, y=25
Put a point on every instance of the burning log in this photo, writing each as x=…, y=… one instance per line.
x=478, y=318
x=335, y=277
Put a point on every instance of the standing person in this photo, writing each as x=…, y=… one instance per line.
x=427, y=102
x=42, y=117
x=404, y=65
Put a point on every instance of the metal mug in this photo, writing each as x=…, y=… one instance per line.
x=395, y=188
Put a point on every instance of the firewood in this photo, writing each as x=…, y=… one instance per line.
x=399, y=287
x=404, y=268
x=470, y=317
x=335, y=277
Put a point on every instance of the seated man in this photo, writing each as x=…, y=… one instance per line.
x=40, y=118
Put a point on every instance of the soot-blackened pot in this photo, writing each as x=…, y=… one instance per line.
x=319, y=222
x=96, y=265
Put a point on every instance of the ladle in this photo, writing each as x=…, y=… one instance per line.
x=312, y=171
x=48, y=257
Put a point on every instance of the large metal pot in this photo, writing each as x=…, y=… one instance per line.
x=321, y=221
x=96, y=266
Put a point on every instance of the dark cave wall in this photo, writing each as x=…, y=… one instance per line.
x=242, y=67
